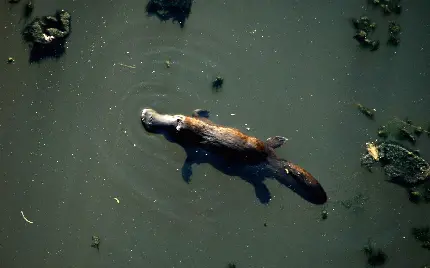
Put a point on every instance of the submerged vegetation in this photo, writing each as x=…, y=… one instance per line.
x=369, y=113
x=324, y=214
x=28, y=9
x=402, y=165
x=95, y=242
x=394, y=32
x=388, y=6
x=47, y=35
x=403, y=130
x=218, y=82
x=364, y=26
x=177, y=10
x=422, y=234
x=375, y=256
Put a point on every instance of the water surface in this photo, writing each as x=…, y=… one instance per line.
x=71, y=140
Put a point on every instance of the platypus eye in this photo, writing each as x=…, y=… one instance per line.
x=178, y=124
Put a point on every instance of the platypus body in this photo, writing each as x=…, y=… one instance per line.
x=232, y=152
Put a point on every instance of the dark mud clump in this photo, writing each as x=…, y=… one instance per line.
x=47, y=35
x=177, y=10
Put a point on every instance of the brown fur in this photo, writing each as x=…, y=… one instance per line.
x=236, y=149
x=207, y=128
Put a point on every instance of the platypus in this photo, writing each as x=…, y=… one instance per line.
x=233, y=152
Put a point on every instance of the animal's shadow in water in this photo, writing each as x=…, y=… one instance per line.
x=252, y=174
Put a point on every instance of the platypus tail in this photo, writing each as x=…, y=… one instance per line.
x=300, y=181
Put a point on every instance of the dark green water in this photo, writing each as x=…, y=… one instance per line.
x=71, y=140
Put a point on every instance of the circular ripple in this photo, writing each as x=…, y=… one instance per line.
x=149, y=164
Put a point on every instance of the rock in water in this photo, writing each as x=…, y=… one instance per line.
x=402, y=165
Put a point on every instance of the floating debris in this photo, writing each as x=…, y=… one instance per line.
x=364, y=26
x=116, y=199
x=168, y=63
x=10, y=60
x=388, y=6
x=47, y=29
x=218, y=82
x=375, y=256
x=47, y=35
x=324, y=214
x=394, y=32
x=127, y=66
x=392, y=6
x=22, y=213
x=372, y=150
x=177, y=10
x=366, y=111
x=95, y=242
x=403, y=166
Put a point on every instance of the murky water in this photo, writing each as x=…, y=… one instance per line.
x=71, y=140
